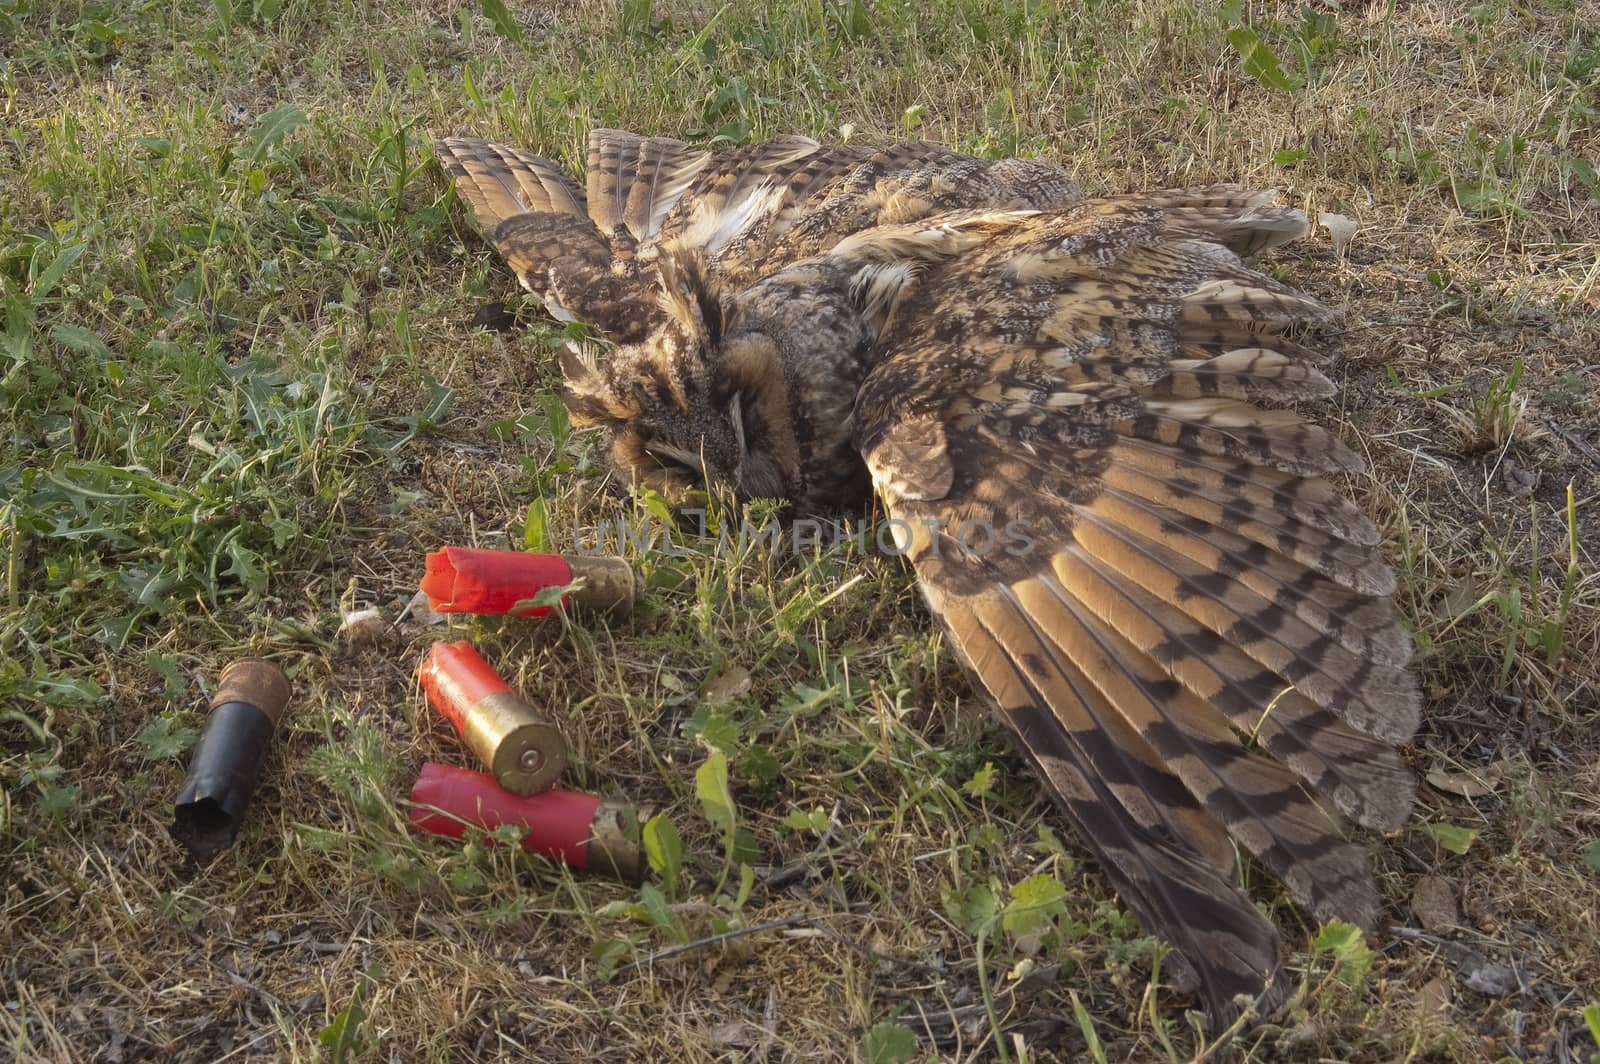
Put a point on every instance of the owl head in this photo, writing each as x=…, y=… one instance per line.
x=699, y=403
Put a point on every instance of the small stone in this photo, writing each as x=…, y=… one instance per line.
x=1434, y=997
x=1473, y=783
x=1495, y=980
x=727, y=687
x=1434, y=902
x=421, y=611
x=361, y=627
x=1341, y=230
x=1519, y=480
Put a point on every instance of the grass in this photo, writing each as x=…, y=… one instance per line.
x=242, y=396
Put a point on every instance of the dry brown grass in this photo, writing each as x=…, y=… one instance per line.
x=1463, y=268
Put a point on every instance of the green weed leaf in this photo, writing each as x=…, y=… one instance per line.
x=653, y=907
x=51, y=275
x=800, y=820
x=610, y=954
x=1484, y=198
x=1349, y=949
x=716, y=800
x=246, y=566
x=982, y=781
x=62, y=690
x=760, y=771
x=1030, y=916
x=504, y=23
x=714, y=726
x=973, y=910
x=167, y=668
x=440, y=396
x=888, y=1043
x=272, y=127
x=636, y=16
x=1097, y=1052
x=1584, y=171
x=545, y=598
x=1259, y=62
x=84, y=341
x=663, y=847
x=160, y=740
x=55, y=802
x=1451, y=837
x=343, y=1035
x=536, y=529
x=854, y=19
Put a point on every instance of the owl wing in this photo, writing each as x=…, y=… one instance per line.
x=540, y=223
x=634, y=182
x=591, y=254
x=773, y=205
x=1187, y=629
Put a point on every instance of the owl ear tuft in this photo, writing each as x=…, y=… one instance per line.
x=586, y=390
x=692, y=295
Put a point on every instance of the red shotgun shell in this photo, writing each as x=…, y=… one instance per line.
x=467, y=580
x=584, y=830
x=526, y=754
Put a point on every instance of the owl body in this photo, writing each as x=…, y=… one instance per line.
x=1070, y=406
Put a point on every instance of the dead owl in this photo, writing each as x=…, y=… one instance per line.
x=1197, y=648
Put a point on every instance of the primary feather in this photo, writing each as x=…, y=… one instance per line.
x=1188, y=630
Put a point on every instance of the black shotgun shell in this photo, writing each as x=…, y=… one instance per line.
x=251, y=694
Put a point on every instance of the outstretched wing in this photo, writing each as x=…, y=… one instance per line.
x=759, y=209
x=1185, y=627
x=539, y=222
x=591, y=254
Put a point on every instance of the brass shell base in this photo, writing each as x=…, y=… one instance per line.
x=525, y=754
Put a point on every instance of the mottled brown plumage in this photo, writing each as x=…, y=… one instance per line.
x=1055, y=398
